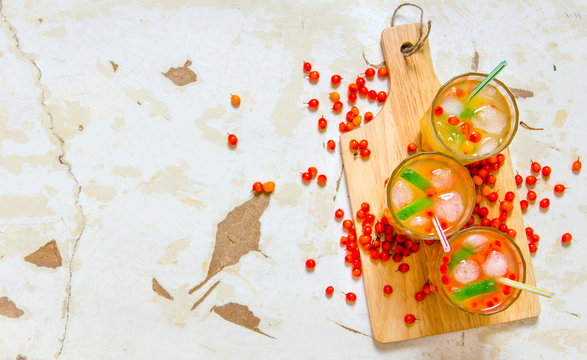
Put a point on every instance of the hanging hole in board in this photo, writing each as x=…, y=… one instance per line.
x=406, y=47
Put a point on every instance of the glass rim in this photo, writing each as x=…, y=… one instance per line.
x=515, y=246
x=404, y=229
x=499, y=149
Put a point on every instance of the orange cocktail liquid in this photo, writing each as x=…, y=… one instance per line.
x=428, y=185
x=466, y=276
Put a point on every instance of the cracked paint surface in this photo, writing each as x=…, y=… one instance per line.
x=129, y=174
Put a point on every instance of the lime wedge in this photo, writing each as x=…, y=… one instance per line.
x=413, y=208
x=475, y=289
x=415, y=179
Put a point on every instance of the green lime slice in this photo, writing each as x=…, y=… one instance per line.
x=415, y=179
x=462, y=254
x=413, y=208
x=467, y=113
x=474, y=289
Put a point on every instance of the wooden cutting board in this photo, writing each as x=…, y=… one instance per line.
x=412, y=86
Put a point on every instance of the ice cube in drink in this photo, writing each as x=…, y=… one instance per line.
x=427, y=185
x=466, y=276
x=470, y=130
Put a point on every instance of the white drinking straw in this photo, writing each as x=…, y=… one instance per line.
x=443, y=239
x=522, y=286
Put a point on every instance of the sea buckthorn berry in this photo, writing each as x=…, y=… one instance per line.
x=341, y=127
x=360, y=82
x=453, y=120
x=370, y=72
x=545, y=203
x=331, y=145
x=339, y=213
x=531, y=195
x=535, y=166
x=322, y=179
x=519, y=179
x=269, y=186
x=322, y=123
x=368, y=116
x=404, y=267
x=349, y=126
x=334, y=96
x=313, y=103
x=372, y=94
x=524, y=204
x=232, y=139
x=559, y=189
x=577, y=165
x=492, y=197
x=438, y=110
x=307, y=66
x=235, y=100
x=512, y=233
x=387, y=289
x=356, y=272
x=353, y=144
x=365, y=153
x=412, y=147
x=306, y=176
x=532, y=247
x=313, y=171
x=355, y=110
x=351, y=297
x=381, y=96
x=335, y=79
x=257, y=187
x=529, y=231
x=363, y=144
x=337, y=106
x=314, y=76
x=363, y=91
x=310, y=263
x=353, y=87
x=365, y=206
x=350, y=116
x=420, y=296
x=509, y=196
x=566, y=238
x=475, y=136
x=535, y=238
x=531, y=180
x=352, y=97
x=477, y=180
x=409, y=319
x=483, y=212
x=382, y=72
x=546, y=170
x=491, y=179
x=329, y=291
x=500, y=158
x=357, y=120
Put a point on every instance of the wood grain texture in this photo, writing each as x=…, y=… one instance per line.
x=413, y=84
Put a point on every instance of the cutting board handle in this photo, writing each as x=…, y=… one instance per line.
x=406, y=73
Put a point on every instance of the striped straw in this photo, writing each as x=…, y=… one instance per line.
x=443, y=239
x=522, y=286
x=487, y=79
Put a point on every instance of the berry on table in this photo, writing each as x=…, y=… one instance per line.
x=535, y=166
x=403, y=267
x=531, y=180
x=420, y=296
x=314, y=75
x=331, y=145
x=334, y=96
x=269, y=186
x=546, y=170
x=322, y=123
x=313, y=171
x=232, y=139
x=532, y=247
x=337, y=106
x=545, y=203
x=329, y=291
x=257, y=187
x=531, y=196
x=306, y=176
x=368, y=116
x=235, y=100
x=363, y=144
x=509, y=196
x=365, y=153
x=352, y=97
x=370, y=72
x=322, y=179
x=310, y=263
x=372, y=94
x=387, y=289
x=351, y=297
x=524, y=204
x=566, y=238
x=382, y=72
x=335, y=79
x=307, y=66
x=360, y=82
x=356, y=272
x=559, y=189
x=492, y=196
x=519, y=179
x=313, y=104
x=353, y=144
x=577, y=165
x=381, y=96
x=353, y=88
x=412, y=147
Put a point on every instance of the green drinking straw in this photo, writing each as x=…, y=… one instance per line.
x=487, y=79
